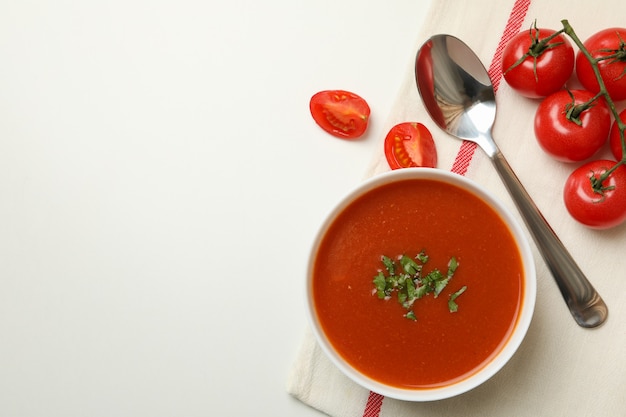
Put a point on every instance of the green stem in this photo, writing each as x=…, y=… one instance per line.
x=575, y=111
x=567, y=28
x=537, y=47
x=610, y=171
x=620, y=55
x=540, y=45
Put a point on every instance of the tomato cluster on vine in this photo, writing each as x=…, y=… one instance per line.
x=577, y=115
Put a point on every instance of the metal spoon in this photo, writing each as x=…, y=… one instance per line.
x=457, y=92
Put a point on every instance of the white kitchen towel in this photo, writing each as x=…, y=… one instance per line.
x=560, y=369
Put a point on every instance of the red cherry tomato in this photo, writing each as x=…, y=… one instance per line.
x=410, y=145
x=340, y=113
x=615, y=141
x=595, y=208
x=563, y=138
x=605, y=43
x=542, y=75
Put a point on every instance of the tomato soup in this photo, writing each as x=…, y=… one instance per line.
x=439, y=347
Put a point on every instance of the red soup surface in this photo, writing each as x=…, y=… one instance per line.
x=439, y=347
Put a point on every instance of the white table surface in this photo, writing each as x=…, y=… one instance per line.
x=161, y=180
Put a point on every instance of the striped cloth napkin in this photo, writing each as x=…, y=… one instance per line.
x=560, y=369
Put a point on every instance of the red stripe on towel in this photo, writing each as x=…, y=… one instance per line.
x=374, y=403
x=513, y=25
x=466, y=152
x=463, y=157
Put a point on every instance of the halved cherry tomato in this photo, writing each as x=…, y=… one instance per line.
x=605, y=43
x=615, y=142
x=410, y=144
x=561, y=137
x=340, y=113
x=536, y=70
x=598, y=207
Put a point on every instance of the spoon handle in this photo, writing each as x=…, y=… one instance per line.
x=585, y=304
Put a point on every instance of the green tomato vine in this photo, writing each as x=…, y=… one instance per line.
x=619, y=54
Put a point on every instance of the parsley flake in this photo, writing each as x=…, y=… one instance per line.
x=452, y=305
x=406, y=278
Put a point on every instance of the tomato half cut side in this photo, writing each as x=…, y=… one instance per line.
x=410, y=144
x=341, y=113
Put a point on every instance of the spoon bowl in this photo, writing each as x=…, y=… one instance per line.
x=459, y=96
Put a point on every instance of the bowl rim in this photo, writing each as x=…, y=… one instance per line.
x=523, y=320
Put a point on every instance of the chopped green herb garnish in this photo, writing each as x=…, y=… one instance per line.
x=402, y=299
x=440, y=285
x=380, y=283
x=422, y=291
x=409, y=265
x=452, y=265
x=411, y=284
x=389, y=265
x=452, y=305
x=422, y=257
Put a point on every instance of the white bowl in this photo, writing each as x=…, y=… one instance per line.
x=507, y=349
